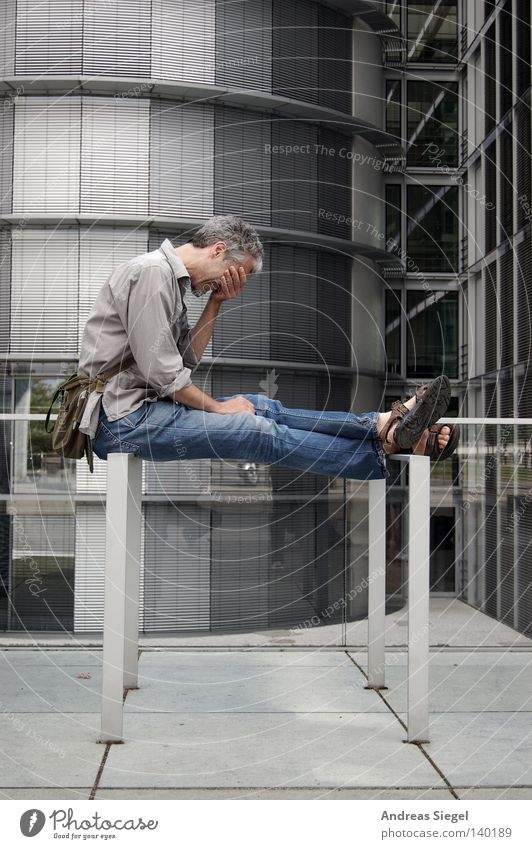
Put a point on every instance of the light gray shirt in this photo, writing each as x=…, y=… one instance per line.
x=140, y=310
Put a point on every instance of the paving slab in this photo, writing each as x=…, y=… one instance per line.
x=49, y=749
x=450, y=657
x=280, y=658
x=268, y=749
x=30, y=688
x=229, y=683
x=482, y=749
x=494, y=792
x=37, y=793
x=285, y=793
x=463, y=682
x=45, y=657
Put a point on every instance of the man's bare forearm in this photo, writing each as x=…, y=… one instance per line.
x=203, y=329
x=194, y=397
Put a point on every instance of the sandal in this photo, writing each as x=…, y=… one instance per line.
x=432, y=402
x=432, y=448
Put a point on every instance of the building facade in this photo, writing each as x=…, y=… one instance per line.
x=459, y=216
x=340, y=130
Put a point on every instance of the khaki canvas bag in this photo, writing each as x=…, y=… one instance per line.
x=67, y=439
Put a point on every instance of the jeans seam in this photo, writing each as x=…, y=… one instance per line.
x=291, y=413
x=118, y=441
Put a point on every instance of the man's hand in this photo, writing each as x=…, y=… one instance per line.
x=234, y=405
x=231, y=284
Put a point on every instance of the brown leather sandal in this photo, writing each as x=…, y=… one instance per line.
x=432, y=448
x=432, y=402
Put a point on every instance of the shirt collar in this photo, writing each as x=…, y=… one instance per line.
x=178, y=266
x=175, y=261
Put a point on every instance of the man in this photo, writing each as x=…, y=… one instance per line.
x=153, y=408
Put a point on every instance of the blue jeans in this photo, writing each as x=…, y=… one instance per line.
x=322, y=442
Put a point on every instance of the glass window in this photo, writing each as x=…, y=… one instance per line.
x=393, y=10
x=393, y=108
x=393, y=217
x=393, y=47
x=432, y=123
x=393, y=331
x=432, y=31
x=432, y=228
x=35, y=465
x=431, y=333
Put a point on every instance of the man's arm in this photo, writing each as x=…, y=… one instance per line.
x=204, y=327
x=145, y=307
x=231, y=285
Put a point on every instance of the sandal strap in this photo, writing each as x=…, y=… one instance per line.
x=394, y=415
x=398, y=411
x=398, y=405
x=420, y=391
x=431, y=445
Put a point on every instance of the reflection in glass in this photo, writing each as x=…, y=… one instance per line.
x=393, y=10
x=393, y=331
x=35, y=464
x=432, y=31
x=432, y=227
x=42, y=573
x=393, y=108
x=432, y=123
x=393, y=217
x=431, y=333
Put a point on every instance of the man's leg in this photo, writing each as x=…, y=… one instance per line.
x=350, y=425
x=168, y=431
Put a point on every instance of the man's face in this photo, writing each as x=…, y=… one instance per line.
x=206, y=276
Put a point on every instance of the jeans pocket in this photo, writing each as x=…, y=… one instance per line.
x=136, y=417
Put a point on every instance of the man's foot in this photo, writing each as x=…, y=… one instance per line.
x=391, y=447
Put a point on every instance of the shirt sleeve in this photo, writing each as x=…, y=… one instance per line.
x=149, y=306
x=186, y=347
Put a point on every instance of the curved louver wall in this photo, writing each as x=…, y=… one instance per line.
x=135, y=168
x=297, y=49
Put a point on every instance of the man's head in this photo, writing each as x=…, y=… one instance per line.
x=222, y=241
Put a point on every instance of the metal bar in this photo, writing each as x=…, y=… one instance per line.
x=418, y=597
x=131, y=647
x=376, y=584
x=122, y=556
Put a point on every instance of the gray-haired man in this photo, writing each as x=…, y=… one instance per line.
x=153, y=408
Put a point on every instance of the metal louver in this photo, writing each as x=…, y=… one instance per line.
x=182, y=40
x=181, y=148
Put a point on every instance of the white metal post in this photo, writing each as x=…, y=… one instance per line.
x=376, y=583
x=418, y=597
x=122, y=576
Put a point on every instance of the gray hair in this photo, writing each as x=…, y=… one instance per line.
x=240, y=237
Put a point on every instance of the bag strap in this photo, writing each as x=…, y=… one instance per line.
x=79, y=378
x=104, y=376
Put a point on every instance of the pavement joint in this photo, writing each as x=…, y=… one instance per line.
x=401, y=722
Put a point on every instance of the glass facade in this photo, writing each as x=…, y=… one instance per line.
x=239, y=547
x=432, y=123
x=431, y=334
x=432, y=31
x=393, y=108
x=432, y=227
x=394, y=313
x=393, y=216
x=226, y=546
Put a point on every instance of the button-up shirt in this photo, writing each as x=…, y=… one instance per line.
x=140, y=310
